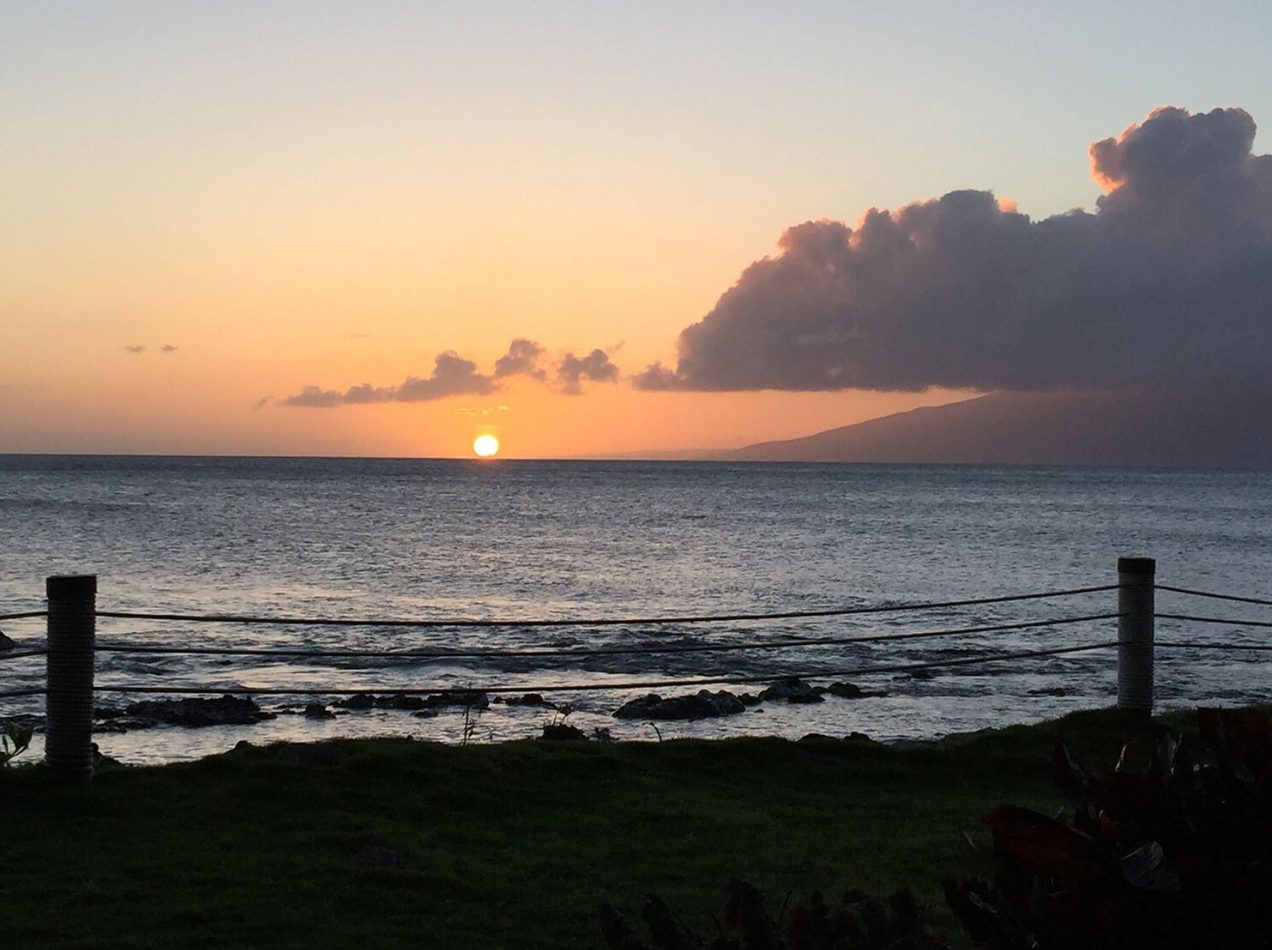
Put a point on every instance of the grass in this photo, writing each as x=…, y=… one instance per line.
x=504, y=846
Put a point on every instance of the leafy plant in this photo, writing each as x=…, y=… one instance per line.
x=13, y=742
x=1171, y=848
x=743, y=924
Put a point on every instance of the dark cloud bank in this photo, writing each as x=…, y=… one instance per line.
x=1167, y=284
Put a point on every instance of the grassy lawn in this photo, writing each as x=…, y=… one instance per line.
x=392, y=843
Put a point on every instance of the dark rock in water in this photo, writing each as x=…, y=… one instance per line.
x=474, y=699
x=852, y=691
x=6, y=642
x=858, y=737
x=562, y=732
x=194, y=713
x=318, y=711
x=471, y=698
x=357, y=701
x=920, y=674
x=793, y=690
x=425, y=714
x=704, y=705
x=529, y=699
x=749, y=699
x=1049, y=691
x=400, y=701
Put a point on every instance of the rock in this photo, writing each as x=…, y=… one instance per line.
x=749, y=699
x=194, y=713
x=472, y=698
x=529, y=699
x=562, y=732
x=357, y=701
x=7, y=643
x=704, y=705
x=852, y=691
x=318, y=711
x=920, y=674
x=1049, y=691
x=858, y=737
x=400, y=701
x=793, y=690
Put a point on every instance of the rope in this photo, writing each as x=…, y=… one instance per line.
x=1202, y=593
x=23, y=616
x=1214, y=646
x=15, y=693
x=614, y=687
x=602, y=651
x=16, y=656
x=597, y=622
x=1224, y=620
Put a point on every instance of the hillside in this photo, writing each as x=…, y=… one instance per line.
x=1177, y=430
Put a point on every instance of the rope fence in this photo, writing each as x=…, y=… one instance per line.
x=72, y=616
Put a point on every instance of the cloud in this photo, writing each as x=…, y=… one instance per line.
x=521, y=359
x=455, y=376
x=452, y=376
x=168, y=348
x=1168, y=281
x=134, y=348
x=572, y=370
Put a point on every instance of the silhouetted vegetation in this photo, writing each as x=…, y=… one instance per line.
x=1172, y=848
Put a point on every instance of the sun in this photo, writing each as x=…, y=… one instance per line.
x=485, y=445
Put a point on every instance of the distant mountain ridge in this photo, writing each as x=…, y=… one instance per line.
x=1178, y=429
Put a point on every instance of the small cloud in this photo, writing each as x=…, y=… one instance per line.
x=473, y=411
x=658, y=378
x=134, y=348
x=521, y=359
x=452, y=376
x=262, y=402
x=595, y=367
x=168, y=348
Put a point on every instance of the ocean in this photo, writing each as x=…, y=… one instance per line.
x=512, y=540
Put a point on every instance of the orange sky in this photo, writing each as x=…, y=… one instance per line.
x=292, y=196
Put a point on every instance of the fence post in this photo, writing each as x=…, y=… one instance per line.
x=1135, y=607
x=72, y=622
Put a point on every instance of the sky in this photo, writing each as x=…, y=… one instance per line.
x=383, y=229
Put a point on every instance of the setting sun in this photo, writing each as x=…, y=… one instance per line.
x=485, y=445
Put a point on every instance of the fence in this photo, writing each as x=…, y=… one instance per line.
x=71, y=646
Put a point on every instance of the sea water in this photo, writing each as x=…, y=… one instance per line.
x=537, y=540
